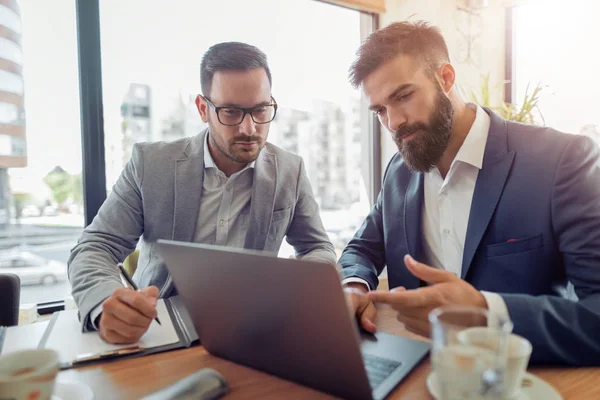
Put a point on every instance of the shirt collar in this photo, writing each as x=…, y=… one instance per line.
x=210, y=163
x=473, y=148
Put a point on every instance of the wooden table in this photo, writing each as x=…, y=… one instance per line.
x=133, y=378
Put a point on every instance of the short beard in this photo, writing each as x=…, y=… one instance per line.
x=241, y=157
x=424, y=152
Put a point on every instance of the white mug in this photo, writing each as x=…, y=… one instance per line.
x=519, y=351
x=28, y=374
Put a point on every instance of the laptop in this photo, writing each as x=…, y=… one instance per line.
x=286, y=317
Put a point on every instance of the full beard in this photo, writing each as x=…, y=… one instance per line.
x=423, y=152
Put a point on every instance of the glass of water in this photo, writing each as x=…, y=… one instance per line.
x=466, y=369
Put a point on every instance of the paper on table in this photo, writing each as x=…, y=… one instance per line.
x=66, y=336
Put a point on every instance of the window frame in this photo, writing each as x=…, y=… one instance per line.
x=92, y=118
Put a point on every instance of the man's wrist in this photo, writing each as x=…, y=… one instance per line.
x=357, y=285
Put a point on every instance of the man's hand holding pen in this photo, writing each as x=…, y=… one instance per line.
x=127, y=314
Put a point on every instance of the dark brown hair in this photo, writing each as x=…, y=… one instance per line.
x=230, y=56
x=418, y=39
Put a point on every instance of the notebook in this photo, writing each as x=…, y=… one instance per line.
x=75, y=347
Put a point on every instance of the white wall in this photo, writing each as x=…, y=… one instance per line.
x=488, y=47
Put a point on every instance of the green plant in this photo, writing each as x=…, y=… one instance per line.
x=64, y=186
x=524, y=112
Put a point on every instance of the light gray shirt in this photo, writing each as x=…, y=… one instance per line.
x=225, y=205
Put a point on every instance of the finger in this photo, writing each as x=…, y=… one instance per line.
x=427, y=273
x=399, y=299
x=416, y=325
x=111, y=336
x=150, y=291
x=380, y=296
x=129, y=332
x=367, y=318
x=398, y=289
x=107, y=334
x=352, y=302
x=122, y=311
x=144, y=304
x=360, y=306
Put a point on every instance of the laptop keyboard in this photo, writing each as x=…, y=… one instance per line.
x=378, y=368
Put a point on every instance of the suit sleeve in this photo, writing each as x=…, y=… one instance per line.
x=112, y=235
x=306, y=232
x=564, y=331
x=364, y=256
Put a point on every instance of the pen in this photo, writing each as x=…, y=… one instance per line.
x=131, y=283
x=106, y=354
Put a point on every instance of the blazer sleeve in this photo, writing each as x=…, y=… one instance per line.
x=561, y=330
x=112, y=235
x=305, y=231
x=364, y=256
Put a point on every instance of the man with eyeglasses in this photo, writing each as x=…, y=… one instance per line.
x=226, y=186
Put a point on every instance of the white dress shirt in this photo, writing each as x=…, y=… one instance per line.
x=224, y=209
x=447, y=206
x=224, y=205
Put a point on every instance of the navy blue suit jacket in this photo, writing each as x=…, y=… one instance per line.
x=538, y=186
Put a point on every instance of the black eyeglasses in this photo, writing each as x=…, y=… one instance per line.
x=232, y=116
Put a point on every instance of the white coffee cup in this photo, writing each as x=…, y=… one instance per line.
x=28, y=374
x=518, y=349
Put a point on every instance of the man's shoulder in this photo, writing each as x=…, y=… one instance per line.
x=544, y=143
x=518, y=130
x=164, y=148
x=161, y=150
x=286, y=160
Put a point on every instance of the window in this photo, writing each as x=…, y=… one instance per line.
x=11, y=82
x=18, y=146
x=10, y=51
x=556, y=52
x=12, y=146
x=10, y=18
x=150, y=71
x=11, y=114
x=40, y=145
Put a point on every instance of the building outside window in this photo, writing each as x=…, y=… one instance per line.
x=151, y=77
x=40, y=145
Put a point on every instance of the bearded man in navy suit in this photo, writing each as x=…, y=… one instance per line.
x=474, y=210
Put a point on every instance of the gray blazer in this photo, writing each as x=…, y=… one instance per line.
x=158, y=196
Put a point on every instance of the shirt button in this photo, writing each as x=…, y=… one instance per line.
x=221, y=222
x=228, y=188
x=446, y=231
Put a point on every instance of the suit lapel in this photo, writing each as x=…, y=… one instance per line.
x=413, y=206
x=413, y=210
x=262, y=201
x=497, y=161
x=189, y=177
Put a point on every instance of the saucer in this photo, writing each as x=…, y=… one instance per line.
x=538, y=389
x=71, y=390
